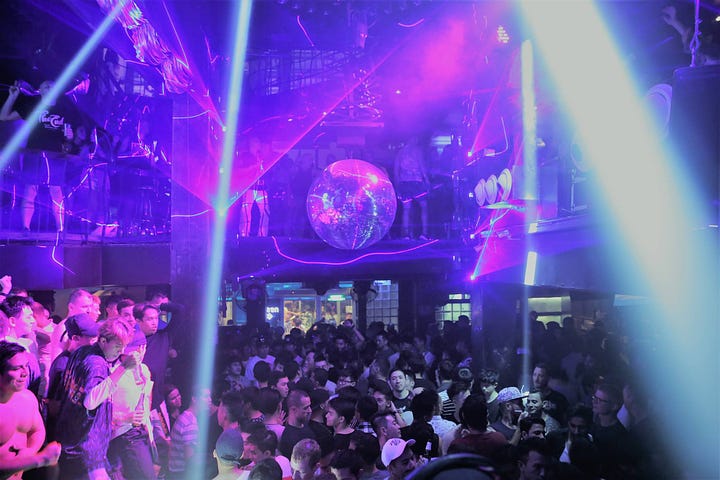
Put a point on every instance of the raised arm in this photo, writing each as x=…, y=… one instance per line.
x=7, y=114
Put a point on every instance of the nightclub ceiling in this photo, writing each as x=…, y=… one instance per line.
x=429, y=50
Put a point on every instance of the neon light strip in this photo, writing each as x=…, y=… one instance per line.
x=348, y=262
x=304, y=30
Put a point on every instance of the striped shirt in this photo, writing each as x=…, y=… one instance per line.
x=184, y=432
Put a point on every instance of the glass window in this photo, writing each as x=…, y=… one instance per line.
x=458, y=304
x=384, y=308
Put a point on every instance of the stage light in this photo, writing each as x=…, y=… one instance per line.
x=530, y=266
x=661, y=250
x=208, y=331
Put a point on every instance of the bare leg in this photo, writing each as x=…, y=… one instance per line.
x=264, y=208
x=245, y=213
x=28, y=205
x=407, y=208
x=424, y=217
x=58, y=206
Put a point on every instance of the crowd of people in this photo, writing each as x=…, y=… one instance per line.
x=96, y=395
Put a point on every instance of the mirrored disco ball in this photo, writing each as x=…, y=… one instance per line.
x=352, y=204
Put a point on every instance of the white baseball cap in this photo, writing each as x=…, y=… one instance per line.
x=393, y=448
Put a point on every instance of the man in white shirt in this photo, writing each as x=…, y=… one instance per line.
x=263, y=354
x=130, y=447
x=84, y=422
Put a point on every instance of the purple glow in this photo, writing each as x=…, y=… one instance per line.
x=312, y=44
x=348, y=262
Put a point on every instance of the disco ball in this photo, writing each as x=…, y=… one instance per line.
x=352, y=204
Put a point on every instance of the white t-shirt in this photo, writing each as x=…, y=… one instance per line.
x=253, y=361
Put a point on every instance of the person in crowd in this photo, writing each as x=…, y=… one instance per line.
x=402, y=392
x=510, y=402
x=250, y=396
x=22, y=331
x=125, y=309
x=459, y=392
x=318, y=402
x=608, y=434
x=399, y=458
x=346, y=464
x=279, y=381
x=81, y=331
x=234, y=375
x=340, y=418
x=489, y=382
x=533, y=459
x=440, y=426
x=473, y=415
x=79, y=301
x=427, y=441
x=269, y=403
x=43, y=330
x=579, y=424
x=88, y=384
x=184, y=437
x=645, y=436
x=534, y=408
x=162, y=419
x=261, y=372
x=267, y=469
x=5, y=287
x=531, y=427
x=385, y=426
x=159, y=343
x=554, y=403
x=22, y=432
x=228, y=454
x=21, y=321
x=305, y=461
x=382, y=344
x=263, y=444
x=296, y=426
x=262, y=349
x=367, y=407
x=382, y=394
x=111, y=306
x=131, y=444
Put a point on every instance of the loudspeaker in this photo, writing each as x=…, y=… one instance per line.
x=695, y=133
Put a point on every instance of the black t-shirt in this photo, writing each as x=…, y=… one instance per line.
x=292, y=435
x=556, y=405
x=49, y=133
x=402, y=404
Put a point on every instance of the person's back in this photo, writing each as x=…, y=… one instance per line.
x=473, y=415
x=228, y=453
